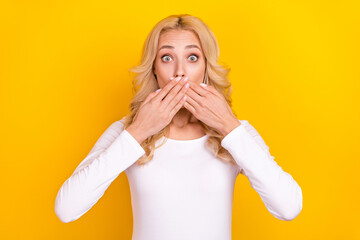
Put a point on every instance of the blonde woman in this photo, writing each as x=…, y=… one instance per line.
x=181, y=146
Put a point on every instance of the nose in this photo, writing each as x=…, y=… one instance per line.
x=181, y=75
x=179, y=72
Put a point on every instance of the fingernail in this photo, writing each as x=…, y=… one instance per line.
x=185, y=79
x=158, y=90
x=177, y=79
x=171, y=78
x=203, y=84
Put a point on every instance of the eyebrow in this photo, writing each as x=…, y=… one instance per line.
x=186, y=47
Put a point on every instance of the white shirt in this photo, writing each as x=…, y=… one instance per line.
x=184, y=192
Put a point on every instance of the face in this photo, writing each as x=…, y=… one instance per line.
x=179, y=53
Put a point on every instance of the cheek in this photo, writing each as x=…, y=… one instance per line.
x=163, y=75
x=160, y=70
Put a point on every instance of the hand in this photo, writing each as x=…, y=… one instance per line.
x=158, y=109
x=210, y=107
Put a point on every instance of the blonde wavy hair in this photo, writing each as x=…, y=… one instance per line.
x=145, y=82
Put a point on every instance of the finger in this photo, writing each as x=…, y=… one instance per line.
x=193, y=103
x=151, y=96
x=177, y=98
x=190, y=108
x=166, y=89
x=211, y=89
x=177, y=106
x=195, y=96
x=173, y=92
x=198, y=89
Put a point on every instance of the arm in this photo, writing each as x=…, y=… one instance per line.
x=115, y=151
x=278, y=190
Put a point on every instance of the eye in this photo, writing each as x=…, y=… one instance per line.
x=193, y=58
x=196, y=57
x=167, y=57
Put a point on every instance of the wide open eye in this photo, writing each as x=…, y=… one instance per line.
x=166, y=57
x=192, y=56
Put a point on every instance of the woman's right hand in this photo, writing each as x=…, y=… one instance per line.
x=158, y=109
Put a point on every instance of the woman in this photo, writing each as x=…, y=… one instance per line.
x=181, y=147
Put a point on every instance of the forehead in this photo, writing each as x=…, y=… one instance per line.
x=178, y=38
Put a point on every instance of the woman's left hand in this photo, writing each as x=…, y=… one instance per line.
x=210, y=107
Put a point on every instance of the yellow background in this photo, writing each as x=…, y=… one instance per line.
x=64, y=79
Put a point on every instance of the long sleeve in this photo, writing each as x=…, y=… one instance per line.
x=114, y=152
x=278, y=190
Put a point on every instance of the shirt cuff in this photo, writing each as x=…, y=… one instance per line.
x=133, y=142
x=231, y=136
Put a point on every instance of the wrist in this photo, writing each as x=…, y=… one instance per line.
x=134, y=131
x=230, y=125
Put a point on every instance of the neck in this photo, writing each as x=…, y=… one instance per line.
x=183, y=117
